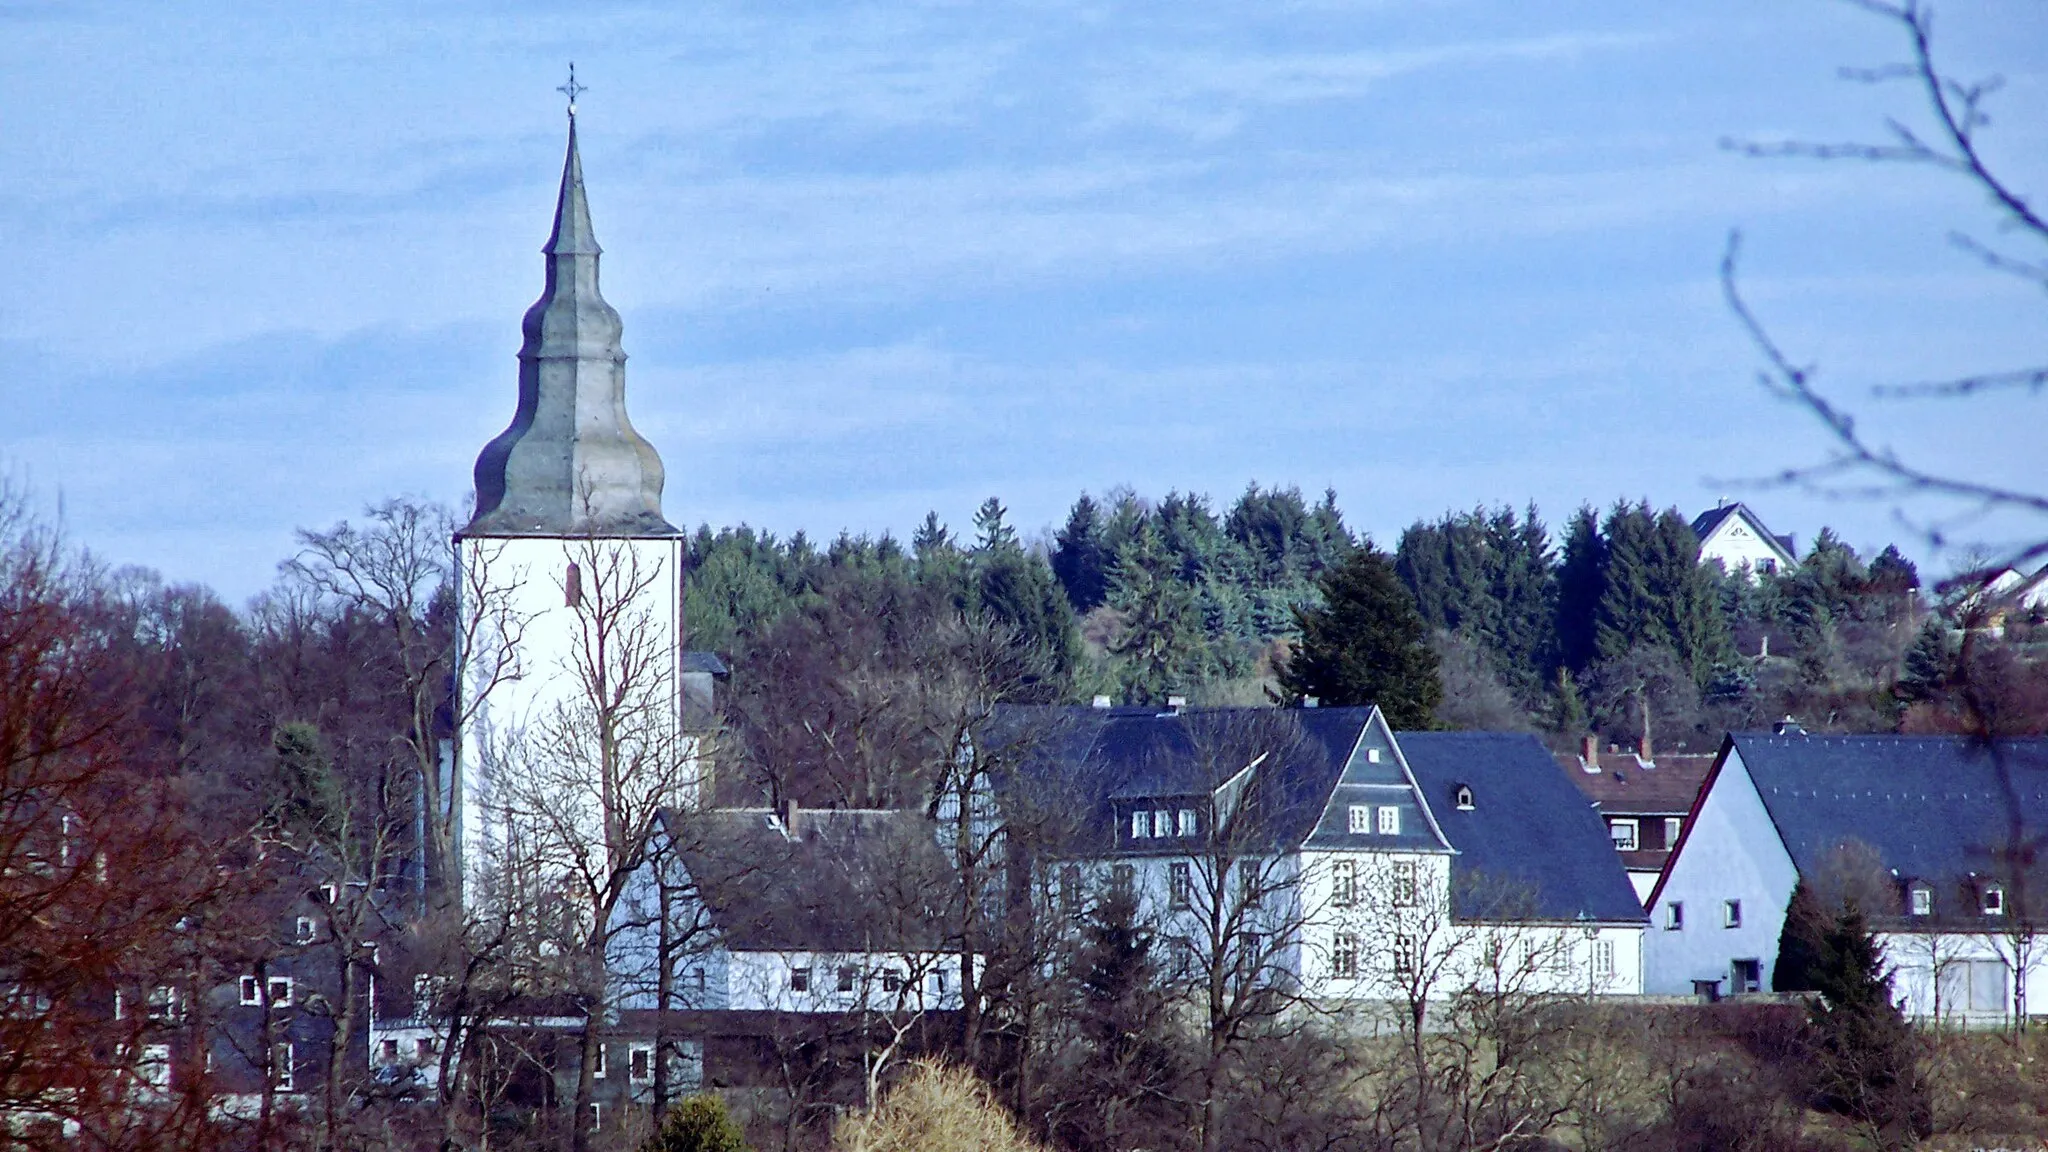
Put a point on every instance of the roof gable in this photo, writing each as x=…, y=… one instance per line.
x=1719, y=521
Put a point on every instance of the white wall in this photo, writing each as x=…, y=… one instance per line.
x=1734, y=543
x=1730, y=852
x=1976, y=971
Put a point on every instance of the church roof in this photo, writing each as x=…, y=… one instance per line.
x=571, y=463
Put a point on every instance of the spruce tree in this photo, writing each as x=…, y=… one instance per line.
x=1366, y=644
x=1078, y=558
x=1578, y=591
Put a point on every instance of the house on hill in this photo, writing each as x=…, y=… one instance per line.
x=1930, y=835
x=1734, y=535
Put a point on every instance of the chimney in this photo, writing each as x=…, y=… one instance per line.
x=1589, y=752
x=1643, y=752
x=1788, y=727
x=1100, y=702
x=789, y=815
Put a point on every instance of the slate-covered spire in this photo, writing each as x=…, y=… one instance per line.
x=571, y=463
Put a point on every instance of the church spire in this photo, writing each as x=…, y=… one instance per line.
x=571, y=463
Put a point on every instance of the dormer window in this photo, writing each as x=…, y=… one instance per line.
x=1141, y=825
x=1186, y=822
x=1463, y=796
x=1994, y=900
x=1920, y=900
x=1162, y=823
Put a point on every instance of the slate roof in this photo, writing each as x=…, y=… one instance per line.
x=1528, y=829
x=849, y=881
x=1704, y=524
x=707, y=662
x=1933, y=807
x=1106, y=757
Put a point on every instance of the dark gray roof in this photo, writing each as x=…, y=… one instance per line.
x=1530, y=835
x=707, y=662
x=1704, y=524
x=848, y=881
x=1933, y=807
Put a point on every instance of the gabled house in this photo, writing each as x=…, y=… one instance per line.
x=1317, y=850
x=1643, y=802
x=1734, y=535
x=1919, y=830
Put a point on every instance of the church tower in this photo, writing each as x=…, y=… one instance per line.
x=570, y=586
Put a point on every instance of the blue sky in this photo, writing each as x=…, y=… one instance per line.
x=267, y=262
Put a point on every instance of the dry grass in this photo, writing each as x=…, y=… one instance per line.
x=934, y=1109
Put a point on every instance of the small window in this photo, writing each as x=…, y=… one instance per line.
x=1180, y=885
x=1464, y=798
x=640, y=1064
x=1674, y=916
x=846, y=975
x=390, y=1050
x=1344, y=956
x=1141, y=825
x=1404, y=884
x=1070, y=889
x=1994, y=900
x=1344, y=883
x=1767, y=566
x=120, y=1009
x=1372, y=755
x=1674, y=827
x=423, y=1051
x=572, y=587
x=252, y=990
x=1361, y=819
x=1731, y=914
x=281, y=1060
x=1162, y=824
x=892, y=980
x=1603, y=958
x=1186, y=822
x=1123, y=876
x=939, y=980
x=596, y=1115
x=165, y=1003
x=1746, y=976
x=1922, y=900
x=329, y=894
x=1404, y=955
x=156, y=1065
x=1390, y=821
x=1251, y=883
x=799, y=979
x=1623, y=833
x=597, y=1062
x=280, y=991
x=305, y=930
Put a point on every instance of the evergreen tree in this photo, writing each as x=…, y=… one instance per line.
x=1366, y=644
x=1017, y=589
x=1125, y=1082
x=1891, y=574
x=1579, y=591
x=698, y=1123
x=1162, y=647
x=1078, y=559
x=1929, y=666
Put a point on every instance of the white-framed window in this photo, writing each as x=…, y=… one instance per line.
x=939, y=980
x=120, y=1008
x=166, y=1002
x=1141, y=825
x=1463, y=798
x=1186, y=822
x=281, y=1060
x=1674, y=915
x=1403, y=893
x=1404, y=954
x=596, y=1115
x=279, y=991
x=846, y=977
x=1251, y=883
x=1123, y=876
x=1603, y=958
x=1390, y=821
x=1623, y=833
x=1344, y=883
x=640, y=1064
x=156, y=1065
x=1922, y=900
x=892, y=980
x=1180, y=885
x=1359, y=818
x=1070, y=889
x=329, y=894
x=597, y=1062
x=1674, y=827
x=1994, y=900
x=1372, y=755
x=305, y=930
x=252, y=991
x=1162, y=824
x=799, y=979
x=1344, y=956
x=1731, y=914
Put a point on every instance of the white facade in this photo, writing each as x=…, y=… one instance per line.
x=1722, y=903
x=1741, y=539
x=527, y=783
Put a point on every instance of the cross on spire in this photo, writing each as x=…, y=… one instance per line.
x=572, y=89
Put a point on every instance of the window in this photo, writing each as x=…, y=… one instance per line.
x=156, y=1065
x=1162, y=824
x=251, y=990
x=390, y=1051
x=1372, y=755
x=799, y=979
x=1674, y=916
x=939, y=980
x=1123, y=876
x=1251, y=884
x=1623, y=833
x=1767, y=566
x=1731, y=914
x=1251, y=953
x=423, y=1051
x=596, y=1116
x=1463, y=797
x=1674, y=827
x=304, y=934
x=1988, y=982
x=1344, y=883
x=1404, y=955
x=1404, y=884
x=1186, y=823
x=1141, y=825
x=1180, y=885
x=1922, y=900
x=281, y=1067
x=1994, y=900
x=892, y=980
x=572, y=587
x=329, y=894
x=1344, y=956
x=1361, y=819
x=1070, y=888
x=1390, y=821
x=119, y=1007
x=280, y=991
x=1745, y=976
x=640, y=1064
x=846, y=979
x=597, y=1062
x=1603, y=958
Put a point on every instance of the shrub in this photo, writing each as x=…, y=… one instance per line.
x=934, y=1109
x=698, y=1124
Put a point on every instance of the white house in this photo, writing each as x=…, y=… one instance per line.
x=1916, y=828
x=1736, y=536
